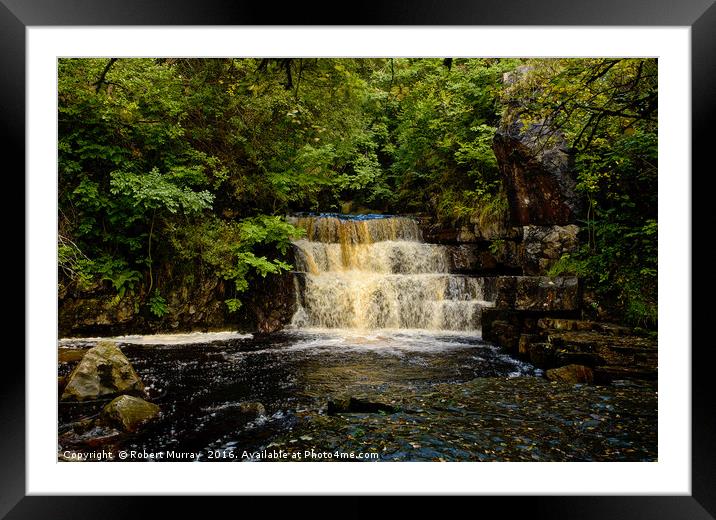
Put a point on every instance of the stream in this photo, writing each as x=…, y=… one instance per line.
x=455, y=398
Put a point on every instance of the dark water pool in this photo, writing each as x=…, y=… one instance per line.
x=447, y=397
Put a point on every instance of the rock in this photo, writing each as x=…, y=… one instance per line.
x=505, y=288
x=104, y=371
x=252, y=408
x=83, y=425
x=96, y=313
x=609, y=373
x=537, y=172
x=506, y=335
x=557, y=324
x=538, y=293
x=272, y=303
x=354, y=405
x=572, y=374
x=473, y=259
x=541, y=354
x=525, y=341
x=507, y=253
x=129, y=413
x=633, y=351
x=70, y=355
x=465, y=235
x=194, y=305
x=616, y=330
x=462, y=258
x=488, y=317
x=542, y=246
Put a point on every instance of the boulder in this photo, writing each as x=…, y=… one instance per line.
x=505, y=334
x=541, y=354
x=104, y=371
x=537, y=172
x=129, y=413
x=571, y=374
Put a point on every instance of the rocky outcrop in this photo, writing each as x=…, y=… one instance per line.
x=610, y=351
x=100, y=312
x=129, y=413
x=509, y=250
x=536, y=165
x=199, y=305
x=104, y=371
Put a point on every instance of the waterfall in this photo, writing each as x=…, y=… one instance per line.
x=374, y=272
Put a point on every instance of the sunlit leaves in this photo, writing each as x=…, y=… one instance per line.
x=153, y=191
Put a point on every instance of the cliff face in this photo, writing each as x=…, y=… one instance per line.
x=537, y=166
x=537, y=172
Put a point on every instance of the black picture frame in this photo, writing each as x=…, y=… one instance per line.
x=699, y=15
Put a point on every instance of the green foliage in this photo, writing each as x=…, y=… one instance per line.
x=438, y=137
x=73, y=264
x=117, y=272
x=496, y=246
x=236, y=251
x=233, y=304
x=607, y=108
x=158, y=305
x=256, y=235
x=156, y=191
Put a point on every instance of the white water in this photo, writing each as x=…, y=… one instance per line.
x=189, y=338
x=378, y=274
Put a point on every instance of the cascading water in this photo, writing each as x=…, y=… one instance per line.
x=375, y=272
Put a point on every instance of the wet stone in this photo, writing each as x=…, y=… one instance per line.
x=353, y=405
x=129, y=413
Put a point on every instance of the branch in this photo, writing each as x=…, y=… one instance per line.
x=101, y=81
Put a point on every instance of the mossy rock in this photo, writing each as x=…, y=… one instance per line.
x=129, y=413
x=104, y=371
